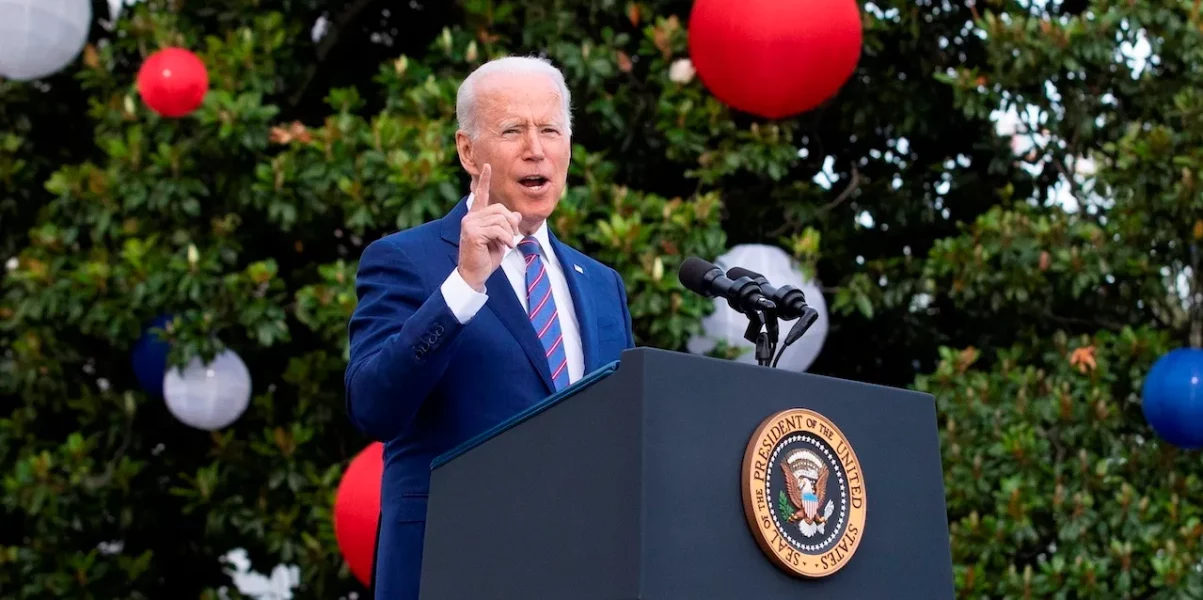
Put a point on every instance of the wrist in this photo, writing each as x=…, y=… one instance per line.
x=478, y=286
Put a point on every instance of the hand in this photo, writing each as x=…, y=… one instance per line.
x=485, y=234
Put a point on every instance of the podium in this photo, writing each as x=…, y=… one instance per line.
x=669, y=476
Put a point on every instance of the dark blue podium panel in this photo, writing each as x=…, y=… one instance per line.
x=631, y=484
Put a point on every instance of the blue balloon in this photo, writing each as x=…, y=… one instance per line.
x=149, y=357
x=1173, y=398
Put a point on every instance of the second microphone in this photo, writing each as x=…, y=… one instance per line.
x=704, y=278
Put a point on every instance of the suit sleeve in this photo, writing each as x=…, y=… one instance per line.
x=626, y=309
x=402, y=338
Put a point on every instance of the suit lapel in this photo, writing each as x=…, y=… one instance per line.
x=583, y=301
x=502, y=301
x=508, y=309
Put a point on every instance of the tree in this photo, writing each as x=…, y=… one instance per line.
x=245, y=220
x=1056, y=485
x=243, y=223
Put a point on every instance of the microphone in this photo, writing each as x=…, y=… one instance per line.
x=791, y=304
x=790, y=301
x=708, y=280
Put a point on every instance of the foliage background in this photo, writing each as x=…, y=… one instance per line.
x=1027, y=277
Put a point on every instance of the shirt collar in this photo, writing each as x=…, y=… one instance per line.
x=540, y=234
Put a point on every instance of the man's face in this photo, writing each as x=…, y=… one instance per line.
x=522, y=134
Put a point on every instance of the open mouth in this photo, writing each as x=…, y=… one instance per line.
x=534, y=182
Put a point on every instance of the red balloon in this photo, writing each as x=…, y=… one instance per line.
x=774, y=58
x=173, y=82
x=357, y=510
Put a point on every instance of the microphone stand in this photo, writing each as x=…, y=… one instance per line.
x=766, y=341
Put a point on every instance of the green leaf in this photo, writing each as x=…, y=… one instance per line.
x=865, y=306
x=784, y=507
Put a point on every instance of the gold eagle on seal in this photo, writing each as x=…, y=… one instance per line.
x=806, y=486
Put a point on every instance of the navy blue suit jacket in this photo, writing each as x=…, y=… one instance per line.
x=422, y=383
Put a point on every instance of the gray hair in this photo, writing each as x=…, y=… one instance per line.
x=465, y=100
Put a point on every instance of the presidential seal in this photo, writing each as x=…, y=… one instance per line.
x=803, y=493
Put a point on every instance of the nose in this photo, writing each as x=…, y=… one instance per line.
x=534, y=146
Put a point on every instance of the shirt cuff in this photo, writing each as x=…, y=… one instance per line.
x=463, y=301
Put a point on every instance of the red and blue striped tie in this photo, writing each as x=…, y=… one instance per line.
x=541, y=308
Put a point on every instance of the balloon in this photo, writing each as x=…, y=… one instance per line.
x=357, y=510
x=40, y=37
x=1173, y=398
x=173, y=82
x=774, y=58
x=149, y=357
x=728, y=325
x=209, y=397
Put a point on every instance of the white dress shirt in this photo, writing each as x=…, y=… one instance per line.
x=465, y=302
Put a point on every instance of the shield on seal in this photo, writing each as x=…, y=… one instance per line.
x=810, y=504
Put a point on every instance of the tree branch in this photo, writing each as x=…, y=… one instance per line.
x=1196, y=309
x=852, y=185
x=632, y=129
x=98, y=481
x=1058, y=449
x=1108, y=324
x=1031, y=128
x=344, y=19
x=844, y=195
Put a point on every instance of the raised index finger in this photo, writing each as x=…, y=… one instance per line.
x=481, y=200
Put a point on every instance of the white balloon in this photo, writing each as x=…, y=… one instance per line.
x=725, y=324
x=41, y=37
x=209, y=397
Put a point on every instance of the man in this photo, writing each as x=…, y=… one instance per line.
x=467, y=320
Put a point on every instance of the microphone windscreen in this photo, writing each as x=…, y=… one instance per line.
x=693, y=274
x=737, y=272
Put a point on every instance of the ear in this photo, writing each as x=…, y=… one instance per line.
x=463, y=146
